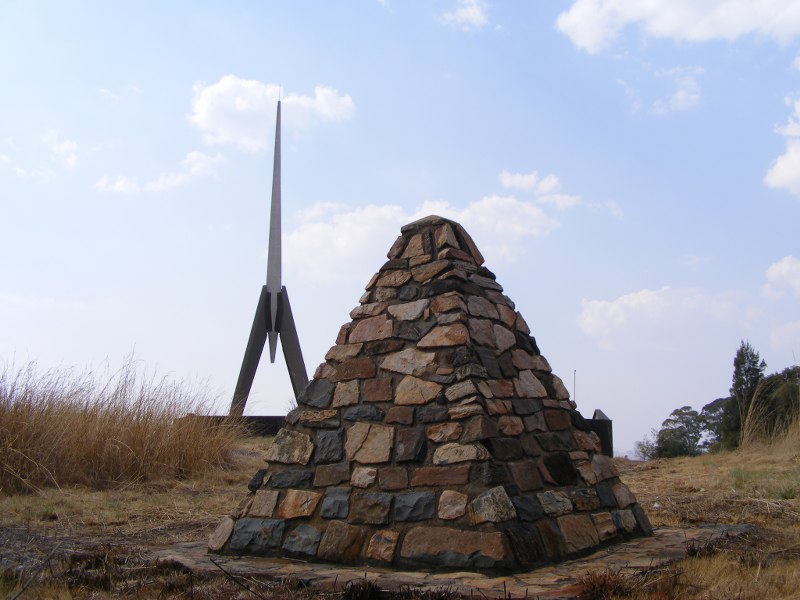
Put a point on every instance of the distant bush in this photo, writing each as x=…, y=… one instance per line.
x=62, y=427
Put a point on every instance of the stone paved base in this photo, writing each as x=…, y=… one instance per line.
x=554, y=581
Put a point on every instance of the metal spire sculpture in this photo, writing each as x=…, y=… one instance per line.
x=273, y=318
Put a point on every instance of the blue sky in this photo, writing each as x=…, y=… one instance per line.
x=630, y=170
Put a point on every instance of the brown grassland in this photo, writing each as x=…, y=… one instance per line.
x=92, y=475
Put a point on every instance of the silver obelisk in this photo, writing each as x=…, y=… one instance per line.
x=273, y=318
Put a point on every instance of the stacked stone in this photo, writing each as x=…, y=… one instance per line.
x=434, y=435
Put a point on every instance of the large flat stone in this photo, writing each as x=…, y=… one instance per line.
x=456, y=548
x=290, y=447
x=354, y=368
x=409, y=361
x=369, y=443
x=382, y=545
x=409, y=311
x=527, y=385
x=444, y=432
x=579, y=532
x=430, y=476
x=221, y=534
x=401, y=415
x=343, y=352
x=481, y=332
x=264, y=504
x=454, y=453
x=479, y=428
x=303, y=540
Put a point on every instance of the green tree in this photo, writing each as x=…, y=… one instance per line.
x=680, y=435
x=748, y=371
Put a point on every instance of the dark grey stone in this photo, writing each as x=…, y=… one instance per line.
x=291, y=478
x=504, y=448
x=410, y=443
x=489, y=473
x=529, y=445
x=561, y=469
x=579, y=422
x=526, y=543
x=408, y=292
x=526, y=406
x=257, y=535
x=329, y=445
x=335, y=503
x=416, y=506
x=303, y=540
x=363, y=412
x=413, y=330
x=606, y=494
x=489, y=362
x=556, y=441
x=318, y=393
x=528, y=507
x=431, y=413
x=507, y=365
x=642, y=520
x=257, y=480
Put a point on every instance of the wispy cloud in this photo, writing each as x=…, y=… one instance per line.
x=241, y=112
x=117, y=185
x=195, y=166
x=785, y=170
x=686, y=93
x=64, y=151
x=782, y=275
x=468, y=15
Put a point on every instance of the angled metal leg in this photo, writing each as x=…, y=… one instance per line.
x=252, y=354
x=291, y=345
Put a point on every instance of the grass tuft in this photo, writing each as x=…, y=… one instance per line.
x=60, y=427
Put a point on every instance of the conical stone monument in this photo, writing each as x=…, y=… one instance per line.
x=434, y=435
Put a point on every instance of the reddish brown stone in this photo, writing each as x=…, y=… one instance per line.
x=447, y=302
x=402, y=415
x=445, y=335
x=604, y=525
x=346, y=393
x=445, y=236
x=327, y=475
x=393, y=478
x=341, y=337
x=452, y=505
x=479, y=428
x=369, y=508
x=507, y=315
x=501, y=388
x=503, y=338
x=425, y=272
x=587, y=440
x=377, y=390
x=382, y=545
x=526, y=475
x=623, y=495
x=397, y=248
x=481, y=332
x=298, y=503
x=454, y=253
x=373, y=328
x=498, y=407
x=578, y=531
x=455, y=475
x=510, y=425
x=415, y=247
x=355, y=368
x=341, y=543
x=456, y=548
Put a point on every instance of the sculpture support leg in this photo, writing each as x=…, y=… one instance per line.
x=252, y=354
x=291, y=345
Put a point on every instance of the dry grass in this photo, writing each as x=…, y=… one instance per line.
x=60, y=427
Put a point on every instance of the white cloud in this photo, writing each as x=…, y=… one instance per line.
x=4, y=158
x=120, y=185
x=593, y=25
x=37, y=175
x=785, y=336
x=330, y=235
x=241, y=112
x=607, y=320
x=467, y=15
x=784, y=274
x=785, y=170
x=687, y=90
x=196, y=165
x=545, y=190
x=65, y=151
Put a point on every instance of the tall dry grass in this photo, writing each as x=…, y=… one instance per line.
x=60, y=427
x=767, y=425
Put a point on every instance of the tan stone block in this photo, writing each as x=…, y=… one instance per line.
x=298, y=503
x=604, y=467
x=409, y=361
x=382, y=545
x=462, y=411
x=343, y=352
x=415, y=247
x=373, y=328
x=444, y=432
x=445, y=236
x=290, y=447
x=623, y=495
x=503, y=338
x=363, y=477
x=460, y=390
x=445, y=335
x=221, y=535
x=586, y=472
x=427, y=271
x=414, y=391
x=604, y=525
x=345, y=394
x=447, y=302
x=450, y=453
x=368, y=310
x=527, y=385
x=369, y=443
x=264, y=503
x=409, y=311
x=492, y=506
x=394, y=279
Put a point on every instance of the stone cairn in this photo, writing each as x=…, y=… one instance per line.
x=434, y=435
